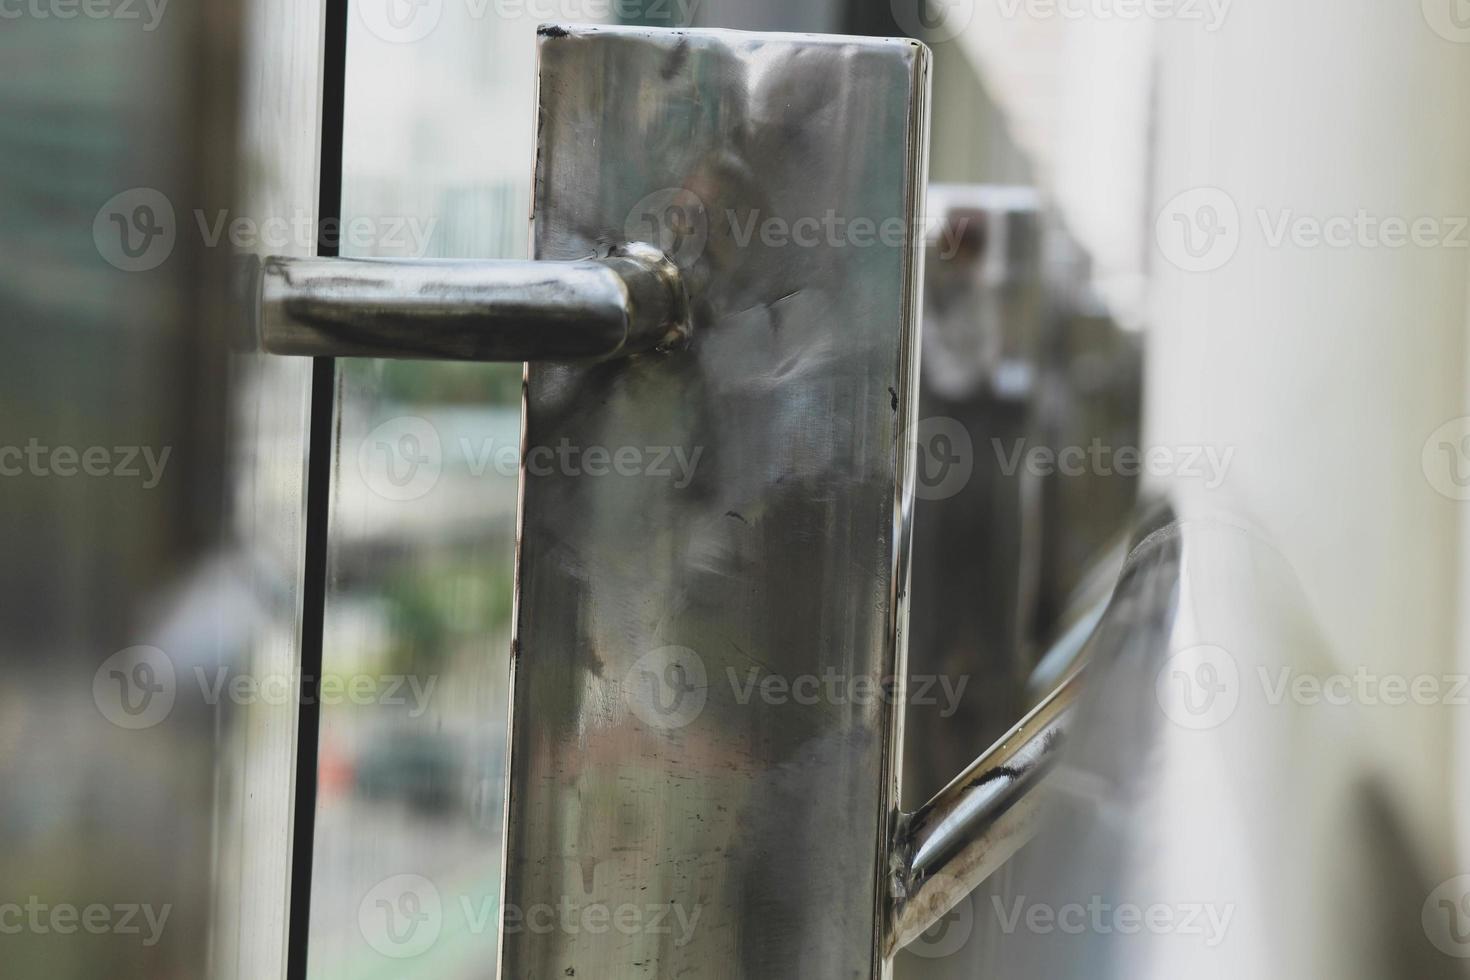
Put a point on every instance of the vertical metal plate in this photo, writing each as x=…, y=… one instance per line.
x=713, y=541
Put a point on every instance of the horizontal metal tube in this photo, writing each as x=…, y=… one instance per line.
x=973, y=826
x=461, y=310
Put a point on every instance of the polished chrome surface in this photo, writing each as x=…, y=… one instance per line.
x=974, y=825
x=628, y=302
x=975, y=535
x=1013, y=363
x=1019, y=358
x=978, y=823
x=671, y=765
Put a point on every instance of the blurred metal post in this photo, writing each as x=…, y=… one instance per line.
x=117, y=131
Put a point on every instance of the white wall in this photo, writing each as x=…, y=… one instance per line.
x=1325, y=369
x=1328, y=368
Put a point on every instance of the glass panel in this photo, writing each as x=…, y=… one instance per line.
x=262, y=576
x=438, y=146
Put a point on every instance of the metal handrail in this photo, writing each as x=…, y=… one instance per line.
x=972, y=827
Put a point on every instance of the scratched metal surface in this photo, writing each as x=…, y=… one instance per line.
x=736, y=834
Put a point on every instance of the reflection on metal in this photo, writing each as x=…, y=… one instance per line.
x=983, y=298
x=626, y=303
x=1075, y=626
x=1009, y=561
x=972, y=827
x=656, y=770
x=975, y=535
x=956, y=840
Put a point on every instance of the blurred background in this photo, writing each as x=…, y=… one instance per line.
x=1230, y=236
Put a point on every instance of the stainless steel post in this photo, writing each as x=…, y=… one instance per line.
x=709, y=658
x=709, y=664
